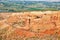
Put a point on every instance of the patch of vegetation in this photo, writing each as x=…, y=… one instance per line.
x=18, y=6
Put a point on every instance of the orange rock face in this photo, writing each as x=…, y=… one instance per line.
x=30, y=24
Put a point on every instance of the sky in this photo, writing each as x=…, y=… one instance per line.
x=39, y=0
x=43, y=0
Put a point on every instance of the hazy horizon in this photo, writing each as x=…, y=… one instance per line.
x=35, y=0
x=45, y=0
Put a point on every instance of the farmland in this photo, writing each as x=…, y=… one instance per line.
x=19, y=6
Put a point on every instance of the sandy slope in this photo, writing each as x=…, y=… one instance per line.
x=30, y=24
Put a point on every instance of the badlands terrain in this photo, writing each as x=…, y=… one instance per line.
x=34, y=25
